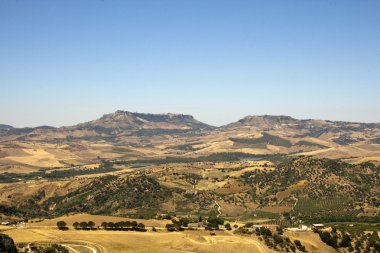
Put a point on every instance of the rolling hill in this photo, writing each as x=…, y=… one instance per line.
x=126, y=135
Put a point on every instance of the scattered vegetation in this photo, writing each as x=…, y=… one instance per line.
x=215, y=157
x=55, y=248
x=332, y=190
x=273, y=239
x=266, y=139
x=6, y=177
x=113, y=195
x=310, y=144
x=358, y=242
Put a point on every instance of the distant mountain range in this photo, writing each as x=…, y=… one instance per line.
x=133, y=121
x=157, y=135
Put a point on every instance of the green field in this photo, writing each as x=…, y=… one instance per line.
x=323, y=210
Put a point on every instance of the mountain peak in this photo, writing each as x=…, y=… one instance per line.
x=265, y=121
x=278, y=118
x=134, y=121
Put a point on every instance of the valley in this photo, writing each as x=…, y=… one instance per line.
x=162, y=170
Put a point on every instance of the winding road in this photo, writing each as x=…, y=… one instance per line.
x=68, y=246
x=216, y=203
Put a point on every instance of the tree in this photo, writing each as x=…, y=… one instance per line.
x=170, y=227
x=299, y=245
x=227, y=226
x=302, y=248
x=83, y=225
x=91, y=224
x=76, y=225
x=265, y=231
x=328, y=239
x=346, y=241
x=110, y=225
x=278, y=238
x=61, y=225
x=213, y=222
x=184, y=222
x=141, y=226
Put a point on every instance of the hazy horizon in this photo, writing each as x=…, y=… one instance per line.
x=63, y=63
x=99, y=116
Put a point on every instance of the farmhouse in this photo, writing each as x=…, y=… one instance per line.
x=299, y=228
x=318, y=225
x=272, y=228
x=253, y=228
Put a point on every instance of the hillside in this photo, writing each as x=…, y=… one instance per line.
x=125, y=135
x=321, y=138
x=308, y=189
x=319, y=189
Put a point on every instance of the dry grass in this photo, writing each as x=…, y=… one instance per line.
x=36, y=157
x=152, y=242
x=311, y=241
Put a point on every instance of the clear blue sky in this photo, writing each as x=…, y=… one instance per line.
x=65, y=62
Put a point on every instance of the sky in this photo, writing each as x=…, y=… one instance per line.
x=66, y=62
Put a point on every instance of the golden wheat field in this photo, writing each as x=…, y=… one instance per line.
x=144, y=242
x=102, y=241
